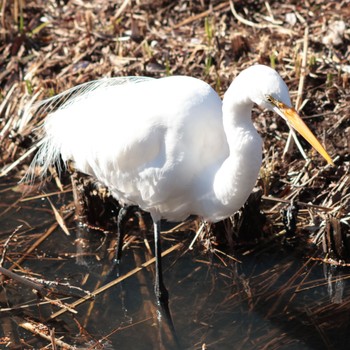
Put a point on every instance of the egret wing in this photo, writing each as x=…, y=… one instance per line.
x=81, y=92
x=48, y=153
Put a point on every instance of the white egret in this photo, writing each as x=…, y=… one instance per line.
x=170, y=146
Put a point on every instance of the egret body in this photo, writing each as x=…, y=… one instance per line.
x=170, y=146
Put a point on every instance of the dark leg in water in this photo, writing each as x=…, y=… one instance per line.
x=124, y=215
x=161, y=292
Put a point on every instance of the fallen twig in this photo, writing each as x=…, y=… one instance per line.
x=6, y=244
x=40, y=288
x=303, y=204
x=59, y=218
x=292, y=136
x=191, y=19
x=258, y=25
x=44, y=332
x=51, y=229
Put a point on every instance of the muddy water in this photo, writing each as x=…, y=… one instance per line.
x=275, y=298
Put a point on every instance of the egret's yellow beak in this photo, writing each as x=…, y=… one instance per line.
x=294, y=120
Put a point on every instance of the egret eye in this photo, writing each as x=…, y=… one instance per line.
x=269, y=98
x=273, y=101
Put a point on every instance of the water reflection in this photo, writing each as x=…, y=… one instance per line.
x=276, y=298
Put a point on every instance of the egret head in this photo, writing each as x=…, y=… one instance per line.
x=265, y=82
x=263, y=86
x=291, y=116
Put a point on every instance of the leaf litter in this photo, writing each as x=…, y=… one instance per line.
x=301, y=208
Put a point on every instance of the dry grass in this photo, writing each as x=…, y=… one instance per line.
x=47, y=47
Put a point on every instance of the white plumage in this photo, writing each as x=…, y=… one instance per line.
x=169, y=145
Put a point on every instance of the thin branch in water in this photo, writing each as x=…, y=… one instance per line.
x=6, y=244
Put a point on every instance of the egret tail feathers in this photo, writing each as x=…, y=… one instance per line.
x=48, y=150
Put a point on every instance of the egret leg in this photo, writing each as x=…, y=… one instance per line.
x=120, y=233
x=159, y=288
x=162, y=294
x=124, y=215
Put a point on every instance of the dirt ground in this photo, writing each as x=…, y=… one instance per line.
x=49, y=46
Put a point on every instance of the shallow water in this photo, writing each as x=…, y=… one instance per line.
x=275, y=298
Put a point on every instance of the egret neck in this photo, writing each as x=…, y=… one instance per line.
x=238, y=173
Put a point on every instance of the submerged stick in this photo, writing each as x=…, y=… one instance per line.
x=51, y=229
x=6, y=244
x=44, y=332
x=113, y=283
x=40, y=288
